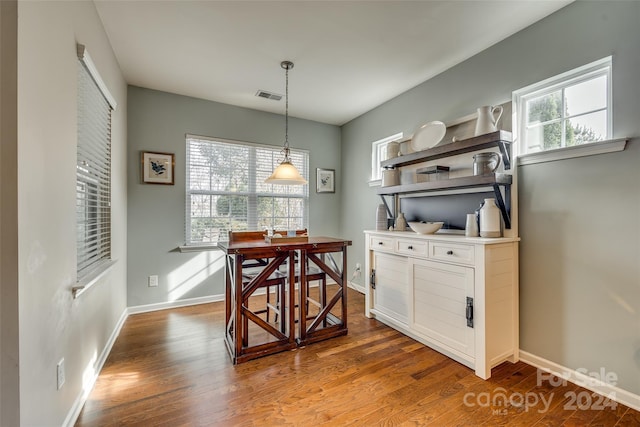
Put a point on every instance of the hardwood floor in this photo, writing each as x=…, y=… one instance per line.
x=171, y=368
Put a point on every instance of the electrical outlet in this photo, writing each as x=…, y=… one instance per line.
x=356, y=272
x=60, y=373
x=153, y=281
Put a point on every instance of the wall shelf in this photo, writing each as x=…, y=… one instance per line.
x=449, y=184
x=500, y=139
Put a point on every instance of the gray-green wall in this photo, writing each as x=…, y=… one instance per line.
x=159, y=121
x=580, y=249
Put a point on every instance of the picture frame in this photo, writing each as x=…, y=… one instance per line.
x=158, y=168
x=325, y=180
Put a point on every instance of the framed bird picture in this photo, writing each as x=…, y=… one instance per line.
x=325, y=180
x=158, y=168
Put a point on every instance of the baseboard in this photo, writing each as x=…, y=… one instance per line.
x=75, y=410
x=356, y=287
x=74, y=413
x=174, y=304
x=601, y=387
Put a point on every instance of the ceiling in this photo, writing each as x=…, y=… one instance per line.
x=349, y=56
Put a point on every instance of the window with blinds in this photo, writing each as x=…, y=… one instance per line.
x=225, y=190
x=93, y=171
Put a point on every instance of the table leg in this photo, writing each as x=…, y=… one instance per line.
x=343, y=286
x=240, y=332
x=302, y=292
x=292, y=297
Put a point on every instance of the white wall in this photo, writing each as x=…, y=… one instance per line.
x=52, y=324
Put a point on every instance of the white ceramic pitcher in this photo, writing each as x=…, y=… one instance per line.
x=487, y=120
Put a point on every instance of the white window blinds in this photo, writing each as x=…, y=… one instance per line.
x=93, y=171
x=225, y=190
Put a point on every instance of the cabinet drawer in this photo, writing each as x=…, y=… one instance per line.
x=412, y=248
x=461, y=254
x=382, y=244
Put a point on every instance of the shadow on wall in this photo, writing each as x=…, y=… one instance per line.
x=194, y=272
x=541, y=277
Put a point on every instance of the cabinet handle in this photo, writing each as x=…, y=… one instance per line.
x=410, y=247
x=469, y=312
x=380, y=243
x=449, y=252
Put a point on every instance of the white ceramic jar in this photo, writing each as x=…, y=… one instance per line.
x=490, y=219
x=393, y=149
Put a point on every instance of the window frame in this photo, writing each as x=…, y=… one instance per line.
x=379, y=154
x=591, y=71
x=93, y=184
x=251, y=193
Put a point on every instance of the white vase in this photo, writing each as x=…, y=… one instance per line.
x=490, y=219
x=471, y=229
x=487, y=120
x=401, y=222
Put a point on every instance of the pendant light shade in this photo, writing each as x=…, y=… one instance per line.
x=286, y=173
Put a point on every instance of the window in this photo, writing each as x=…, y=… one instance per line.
x=93, y=169
x=567, y=110
x=226, y=190
x=378, y=154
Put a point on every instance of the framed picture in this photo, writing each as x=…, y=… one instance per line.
x=158, y=168
x=325, y=180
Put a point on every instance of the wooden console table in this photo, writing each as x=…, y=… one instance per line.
x=329, y=322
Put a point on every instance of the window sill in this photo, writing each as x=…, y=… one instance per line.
x=92, y=278
x=197, y=248
x=590, y=149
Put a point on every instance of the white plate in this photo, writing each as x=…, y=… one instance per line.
x=428, y=135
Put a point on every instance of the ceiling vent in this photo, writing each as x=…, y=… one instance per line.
x=268, y=95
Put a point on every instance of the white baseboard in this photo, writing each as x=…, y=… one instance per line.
x=583, y=380
x=175, y=304
x=74, y=413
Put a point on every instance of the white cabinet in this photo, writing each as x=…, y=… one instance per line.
x=455, y=294
x=391, y=296
x=439, y=303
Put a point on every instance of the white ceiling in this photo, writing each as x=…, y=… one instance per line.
x=349, y=56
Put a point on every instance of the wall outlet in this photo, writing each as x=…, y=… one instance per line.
x=60, y=373
x=153, y=281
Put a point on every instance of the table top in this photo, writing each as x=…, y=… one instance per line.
x=312, y=242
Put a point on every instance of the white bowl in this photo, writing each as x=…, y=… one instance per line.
x=425, y=227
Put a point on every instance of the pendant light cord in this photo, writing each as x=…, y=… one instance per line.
x=287, y=65
x=286, y=112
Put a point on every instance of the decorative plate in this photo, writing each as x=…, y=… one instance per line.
x=428, y=135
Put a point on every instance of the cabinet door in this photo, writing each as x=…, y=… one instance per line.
x=440, y=294
x=390, y=295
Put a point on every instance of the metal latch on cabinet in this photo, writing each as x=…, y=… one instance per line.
x=373, y=279
x=470, y=312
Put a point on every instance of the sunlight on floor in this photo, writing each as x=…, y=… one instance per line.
x=112, y=385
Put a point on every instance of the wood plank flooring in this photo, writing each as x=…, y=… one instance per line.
x=171, y=368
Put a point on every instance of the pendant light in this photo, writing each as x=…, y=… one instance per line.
x=286, y=173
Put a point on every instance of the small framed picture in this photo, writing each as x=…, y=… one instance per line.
x=158, y=168
x=325, y=180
